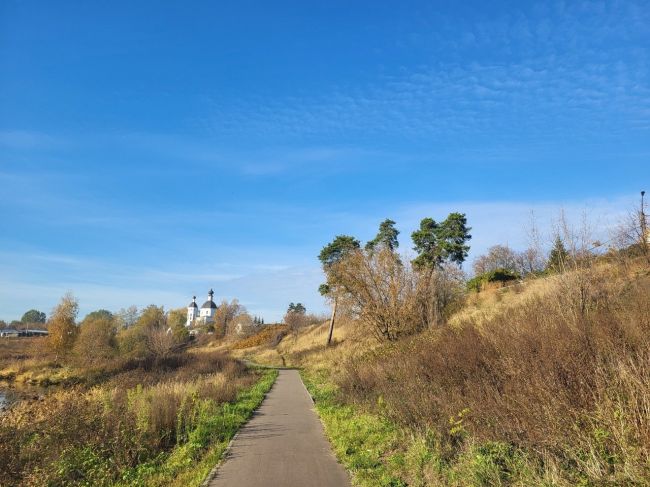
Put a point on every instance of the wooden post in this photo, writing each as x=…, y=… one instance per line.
x=329, y=336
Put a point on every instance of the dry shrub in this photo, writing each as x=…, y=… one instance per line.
x=380, y=291
x=564, y=375
x=93, y=436
x=269, y=335
x=96, y=343
x=389, y=298
x=295, y=320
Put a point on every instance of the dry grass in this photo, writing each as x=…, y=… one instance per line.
x=19, y=355
x=550, y=378
x=92, y=437
x=563, y=373
x=270, y=336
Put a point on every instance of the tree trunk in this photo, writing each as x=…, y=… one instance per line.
x=329, y=335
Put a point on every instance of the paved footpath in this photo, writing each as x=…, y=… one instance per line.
x=283, y=445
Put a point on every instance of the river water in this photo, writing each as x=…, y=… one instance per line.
x=7, y=398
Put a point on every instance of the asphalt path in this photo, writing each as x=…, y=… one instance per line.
x=283, y=445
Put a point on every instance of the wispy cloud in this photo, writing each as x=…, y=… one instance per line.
x=519, y=73
x=24, y=139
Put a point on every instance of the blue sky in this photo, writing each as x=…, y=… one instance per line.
x=152, y=150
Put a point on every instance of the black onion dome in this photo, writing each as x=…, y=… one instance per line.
x=209, y=305
x=192, y=305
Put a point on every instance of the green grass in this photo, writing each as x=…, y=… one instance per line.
x=378, y=453
x=190, y=463
x=368, y=446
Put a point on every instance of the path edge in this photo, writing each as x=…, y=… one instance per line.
x=324, y=429
x=213, y=473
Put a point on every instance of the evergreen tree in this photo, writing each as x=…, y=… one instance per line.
x=331, y=254
x=559, y=256
x=437, y=243
x=386, y=237
x=336, y=251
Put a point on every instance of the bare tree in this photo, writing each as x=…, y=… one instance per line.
x=380, y=291
x=632, y=233
x=438, y=290
x=295, y=319
x=127, y=317
x=497, y=257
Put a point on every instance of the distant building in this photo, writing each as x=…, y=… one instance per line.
x=192, y=312
x=34, y=333
x=10, y=332
x=205, y=314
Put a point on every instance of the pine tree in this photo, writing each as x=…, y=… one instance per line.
x=386, y=237
x=559, y=256
x=437, y=243
x=330, y=255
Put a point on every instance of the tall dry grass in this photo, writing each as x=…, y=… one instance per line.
x=92, y=437
x=563, y=375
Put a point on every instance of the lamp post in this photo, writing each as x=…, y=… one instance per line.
x=644, y=229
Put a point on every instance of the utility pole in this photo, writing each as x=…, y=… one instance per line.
x=644, y=227
x=642, y=214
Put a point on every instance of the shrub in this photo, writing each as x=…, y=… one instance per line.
x=501, y=276
x=391, y=299
x=96, y=342
x=96, y=437
x=564, y=374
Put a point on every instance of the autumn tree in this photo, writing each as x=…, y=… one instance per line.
x=330, y=255
x=497, y=257
x=127, y=317
x=62, y=326
x=176, y=320
x=295, y=317
x=97, y=341
x=380, y=292
x=148, y=338
x=242, y=323
x=224, y=316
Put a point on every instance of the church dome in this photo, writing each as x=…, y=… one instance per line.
x=192, y=305
x=209, y=304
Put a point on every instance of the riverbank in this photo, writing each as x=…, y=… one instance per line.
x=148, y=425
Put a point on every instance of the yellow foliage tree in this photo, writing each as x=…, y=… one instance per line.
x=62, y=326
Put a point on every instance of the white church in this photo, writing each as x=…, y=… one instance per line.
x=196, y=316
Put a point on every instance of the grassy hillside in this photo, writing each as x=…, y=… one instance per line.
x=545, y=383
